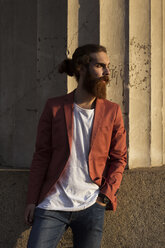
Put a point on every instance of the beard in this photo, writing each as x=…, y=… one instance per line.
x=96, y=86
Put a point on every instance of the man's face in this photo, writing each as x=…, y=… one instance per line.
x=97, y=75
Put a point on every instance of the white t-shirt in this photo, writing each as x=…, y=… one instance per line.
x=75, y=190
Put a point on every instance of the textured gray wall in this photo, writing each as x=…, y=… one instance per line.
x=33, y=39
x=18, y=56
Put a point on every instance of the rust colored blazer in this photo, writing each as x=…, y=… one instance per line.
x=107, y=155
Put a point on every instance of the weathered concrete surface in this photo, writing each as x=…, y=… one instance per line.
x=33, y=40
x=51, y=49
x=139, y=83
x=163, y=91
x=137, y=223
x=156, y=83
x=18, y=113
x=82, y=28
x=35, y=36
x=114, y=35
x=72, y=36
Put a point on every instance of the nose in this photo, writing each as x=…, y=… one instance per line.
x=106, y=71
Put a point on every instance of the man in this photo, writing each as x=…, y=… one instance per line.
x=79, y=159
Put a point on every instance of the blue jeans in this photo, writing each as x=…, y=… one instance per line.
x=49, y=226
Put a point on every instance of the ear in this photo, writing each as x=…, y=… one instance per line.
x=82, y=69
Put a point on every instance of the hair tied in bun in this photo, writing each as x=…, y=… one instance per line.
x=66, y=67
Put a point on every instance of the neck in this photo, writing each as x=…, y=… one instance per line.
x=84, y=99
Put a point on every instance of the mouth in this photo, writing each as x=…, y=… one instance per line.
x=104, y=80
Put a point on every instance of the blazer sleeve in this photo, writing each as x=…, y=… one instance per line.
x=117, y=159
x=42, y=155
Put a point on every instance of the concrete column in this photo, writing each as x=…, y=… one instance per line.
x=163, y=110
x=72, y=37
x=51, y=49
x=18, y=32
x=114, y=35
x=156, y=83
x=83, y=27
x=139, y=92
x=89, y=20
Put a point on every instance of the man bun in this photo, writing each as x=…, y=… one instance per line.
x=66, y=66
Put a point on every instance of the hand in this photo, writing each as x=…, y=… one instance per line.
x=100, y=201
x=29, y=213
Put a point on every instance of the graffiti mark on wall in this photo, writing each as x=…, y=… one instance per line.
x=139, y=68
x=117, y=73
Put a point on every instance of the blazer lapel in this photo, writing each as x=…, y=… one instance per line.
x=98, y=119
x=68, y=109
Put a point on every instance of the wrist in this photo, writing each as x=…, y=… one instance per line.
x=103, y=198
x=100, y=199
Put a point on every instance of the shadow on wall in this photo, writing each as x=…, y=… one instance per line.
x=89, y=22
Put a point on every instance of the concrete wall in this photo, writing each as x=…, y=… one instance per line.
x=18, y=57
x=157, y=82
x=146, y=121
x=33, y=45
x=139, y=83
x=35, y=36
